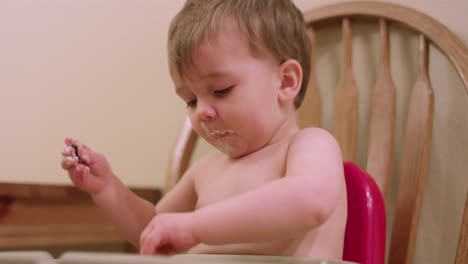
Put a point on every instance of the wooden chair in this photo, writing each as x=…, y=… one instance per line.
x=416, y=152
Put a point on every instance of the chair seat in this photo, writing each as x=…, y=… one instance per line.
x=365, y=227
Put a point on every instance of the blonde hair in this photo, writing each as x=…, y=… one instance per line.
x=276, y=26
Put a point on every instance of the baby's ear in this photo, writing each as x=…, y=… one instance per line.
x=291, y=80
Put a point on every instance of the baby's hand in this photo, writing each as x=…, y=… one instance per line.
x=87, y=169
x=168, y=234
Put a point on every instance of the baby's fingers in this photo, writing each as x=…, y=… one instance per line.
x=149, y=243
x=83, y=155
x=75, y=148
x=151, y=240
x=69, y=141
x=69, y=161
x=144, y=235
x=81, y=176
x=68, y=151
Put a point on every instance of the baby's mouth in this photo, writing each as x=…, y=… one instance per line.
x=219, y=135
x=223, y=138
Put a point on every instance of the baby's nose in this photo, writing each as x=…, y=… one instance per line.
x=205, y=112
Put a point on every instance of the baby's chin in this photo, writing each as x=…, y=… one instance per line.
x=231, y=145
x=232, y=151
x=228, y=148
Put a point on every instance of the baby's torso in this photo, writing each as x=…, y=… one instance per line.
x=225, y=178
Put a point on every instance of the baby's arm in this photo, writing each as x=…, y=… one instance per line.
x=91, y=172
x=130, y=213
x=294, y=204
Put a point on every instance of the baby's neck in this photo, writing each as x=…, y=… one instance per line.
x=287, y=129
x=285, y=132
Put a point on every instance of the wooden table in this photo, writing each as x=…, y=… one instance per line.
x=38, y=216
x=107, y=258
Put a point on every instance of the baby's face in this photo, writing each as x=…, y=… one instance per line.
x=232, y=96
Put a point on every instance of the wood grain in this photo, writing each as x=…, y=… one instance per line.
x=33, y=216
x=383, y=115
x=181, y=155
x=444, y=39
x=462, y=248
x=416, y=153
x=310, y=112
x=61, y=192
x=346, y=101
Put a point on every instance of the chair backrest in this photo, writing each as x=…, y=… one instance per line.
x=382, y=128
x=413, y=162
x=366, y=224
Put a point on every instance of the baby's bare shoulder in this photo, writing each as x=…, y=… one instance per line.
x=313, y=149
x=313, y=137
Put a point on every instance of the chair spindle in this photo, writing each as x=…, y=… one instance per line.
x=415, y=163
x=310, y=113
x=346, y=102
x=382, y=121
x=462, y=250
x=180, y=158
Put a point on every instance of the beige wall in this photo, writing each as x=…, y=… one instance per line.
x=97, y=70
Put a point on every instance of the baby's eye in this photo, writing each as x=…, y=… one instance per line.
x=192, y=103
x=223, y=91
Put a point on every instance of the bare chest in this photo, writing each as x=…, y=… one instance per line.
x=227, y=178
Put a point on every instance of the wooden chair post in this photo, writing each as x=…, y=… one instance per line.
x=310, y=112
x=462, y=248
x=382, y=121
x=346, y=101
x=415, y=164
x=181, y=156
